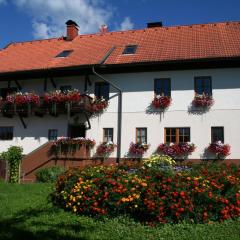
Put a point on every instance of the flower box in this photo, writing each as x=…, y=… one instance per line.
x=219, y=149
x=176, y=150
x=105, y=149
x=161, y=102
x=70, y=146
x=58, y=101
x=98, y=105
x=21, y=99
x=203, y=101
x=138, y=149
x=58, y=96
x=21, y=103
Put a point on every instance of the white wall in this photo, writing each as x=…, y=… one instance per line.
x=137, y=96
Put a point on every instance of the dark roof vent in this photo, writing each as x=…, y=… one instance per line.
x=154, y=24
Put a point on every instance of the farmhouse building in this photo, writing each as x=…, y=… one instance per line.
x=128, y=69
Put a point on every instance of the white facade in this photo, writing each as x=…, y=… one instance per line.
x=138, y=92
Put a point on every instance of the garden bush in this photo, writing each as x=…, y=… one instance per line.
x=207, y=193
x=14, y=157
x=49, y=174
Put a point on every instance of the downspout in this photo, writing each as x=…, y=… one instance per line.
x=119, y=121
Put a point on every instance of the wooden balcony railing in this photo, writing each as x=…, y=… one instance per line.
x=84, y=105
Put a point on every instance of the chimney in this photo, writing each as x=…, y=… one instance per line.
x=72, y=30
x=154, y=24
x=103, y=29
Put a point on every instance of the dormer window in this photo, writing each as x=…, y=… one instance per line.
x=64, y=54
x=130, y=49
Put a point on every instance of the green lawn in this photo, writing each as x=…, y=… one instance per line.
x=25, y=213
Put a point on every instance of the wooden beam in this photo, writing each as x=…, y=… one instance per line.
x=53, y=83
x=18, y=85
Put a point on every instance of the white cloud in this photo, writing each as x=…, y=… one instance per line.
x=126, y=24
x=49, y=16
x=41, y=30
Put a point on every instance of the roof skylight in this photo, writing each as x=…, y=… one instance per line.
x=130, y=49
x=64, y=54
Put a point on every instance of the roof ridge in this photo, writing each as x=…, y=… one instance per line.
x=30, y=41
x=197, y=24
x=122, y=31
x=163, y=27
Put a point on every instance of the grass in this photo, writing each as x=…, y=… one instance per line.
x=25, y=213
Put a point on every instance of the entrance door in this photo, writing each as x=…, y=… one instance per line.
x=75, y=131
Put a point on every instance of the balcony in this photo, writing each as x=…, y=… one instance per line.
x=42, y=108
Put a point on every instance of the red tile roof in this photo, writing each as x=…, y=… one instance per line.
x=200, y=41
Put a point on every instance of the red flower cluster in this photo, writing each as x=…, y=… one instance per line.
x=80, y=141
x=98, y=105
x=161, y=102
x=23, y=99
x=105, y=149
x=176, y=149
x=209, y=193
x=65, y=145
x=219, y=149
x=138, y=149
x=62, y=97
x=203, y=101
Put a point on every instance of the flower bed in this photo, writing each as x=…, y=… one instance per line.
x=66, y=145
x=161, y=102
x=202, y=195
x=138, y=149
x=203, y=100
x=219, y=149
x=105, y=149
x=176, y=150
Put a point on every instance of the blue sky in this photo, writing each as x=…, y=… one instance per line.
x=22, y=20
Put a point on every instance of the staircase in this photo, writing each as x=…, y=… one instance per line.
x=42, y=158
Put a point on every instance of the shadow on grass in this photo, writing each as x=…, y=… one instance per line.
x=29, y=225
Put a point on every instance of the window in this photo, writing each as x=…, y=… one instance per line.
x=64, y=53
x=177, y=135
x=162, y=86
x=203, y=85
x=108, y=135
x=141, y=135
x=6, y=133
x=5, y=91
x=217, y=134
x=65, y=88
x=52, y=134
x=130, y=49
x=102, y=90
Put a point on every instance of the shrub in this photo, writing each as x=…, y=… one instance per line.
x=157, y=160
x=49, y=174
x=207, y=193
x=14, y=156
